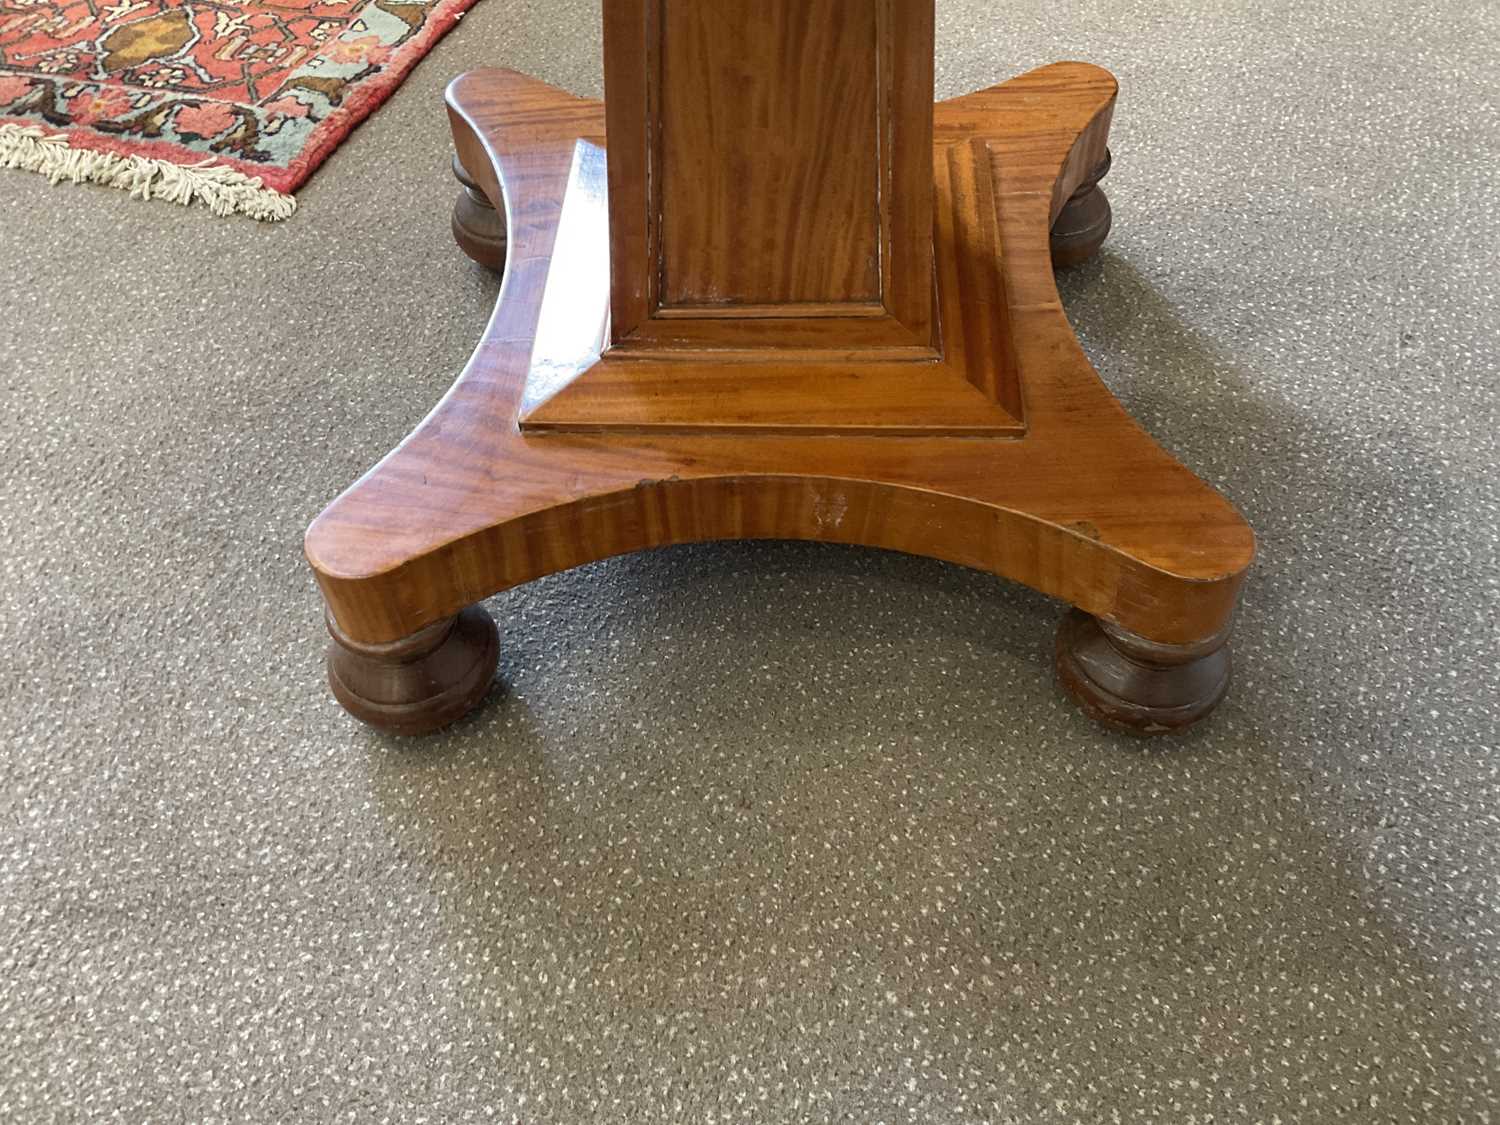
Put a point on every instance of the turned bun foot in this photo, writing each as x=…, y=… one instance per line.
x=1084, y=223
x=420, y=683
x=478, y=228
x=1136, y=685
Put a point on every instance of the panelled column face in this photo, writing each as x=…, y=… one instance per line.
x=752, y=171
x=770, y=161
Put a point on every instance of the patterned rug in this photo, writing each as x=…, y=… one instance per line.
x=231, y=103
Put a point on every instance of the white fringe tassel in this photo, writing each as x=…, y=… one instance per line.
x=225, y=191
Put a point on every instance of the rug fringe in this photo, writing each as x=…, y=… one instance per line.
x=225, y=191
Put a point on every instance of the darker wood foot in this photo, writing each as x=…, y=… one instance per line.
x=478, y=228
x=1137, y=685
x=420, y=683
x=1084, y=223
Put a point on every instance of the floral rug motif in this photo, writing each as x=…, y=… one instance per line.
x=230, y=102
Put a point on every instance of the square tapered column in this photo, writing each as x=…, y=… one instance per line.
x=770, y=161
x=784, y=254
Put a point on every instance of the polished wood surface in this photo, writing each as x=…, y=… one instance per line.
x=1086, y=507
x=769, y=178
x=746, y=218
x=775, y=398
x=765, y=379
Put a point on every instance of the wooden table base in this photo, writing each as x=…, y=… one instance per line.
x=1015, y=460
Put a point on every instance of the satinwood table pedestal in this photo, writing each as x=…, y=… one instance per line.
x=766, y=290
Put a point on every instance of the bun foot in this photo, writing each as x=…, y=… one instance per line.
x=478, y=228
x=1140, y=686
x=420, y=683
x=1084, y=222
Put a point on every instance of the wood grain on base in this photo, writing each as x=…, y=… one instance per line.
x=1085, y=506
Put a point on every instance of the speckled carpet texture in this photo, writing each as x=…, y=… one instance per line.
x=774, y=832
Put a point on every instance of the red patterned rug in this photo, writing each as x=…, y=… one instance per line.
x=231, y=103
